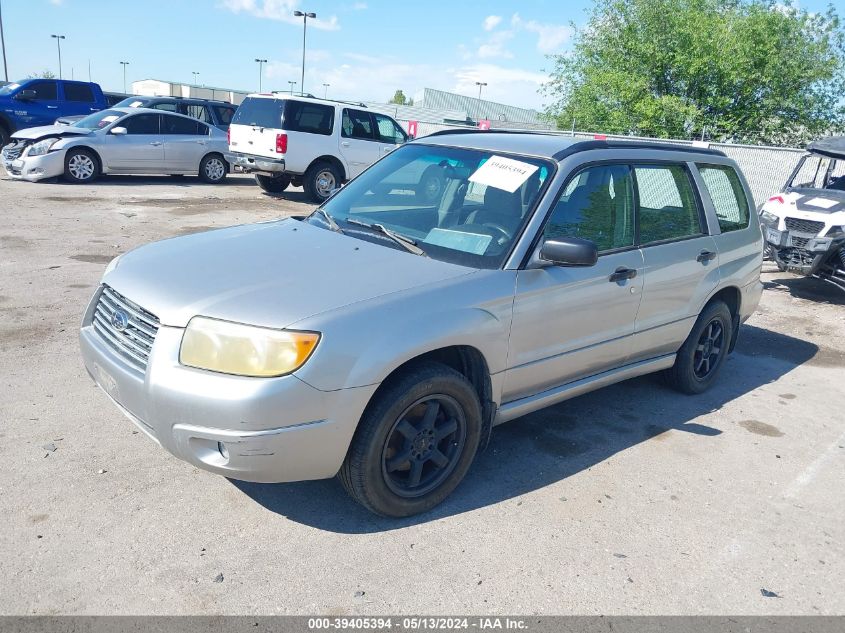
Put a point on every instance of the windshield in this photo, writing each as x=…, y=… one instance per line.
x=99, y=120
x=463, y=206
x=819, y=172
x=130, y=102
x=8, y=89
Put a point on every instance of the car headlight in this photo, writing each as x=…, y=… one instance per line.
x=244, y=350
x=41, y=147
x=836, y=232
x=769, y=218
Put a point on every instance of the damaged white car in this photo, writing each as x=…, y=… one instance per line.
x=804, y=225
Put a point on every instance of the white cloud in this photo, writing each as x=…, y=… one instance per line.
x=495, y=46
x=359, y=6
x=281, y=10
x=491, y=22
x=550, y=37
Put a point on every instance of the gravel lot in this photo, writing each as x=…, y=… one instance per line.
x=630, y=500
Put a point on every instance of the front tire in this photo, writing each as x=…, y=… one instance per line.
x=320, y=181
x=81, y=166
x=703, y=353
x=415, y=442
x=213, y=169
x=273, y=184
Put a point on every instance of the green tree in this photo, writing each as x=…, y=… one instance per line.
x=44, y=74
x=743, y=70
x=399, y=98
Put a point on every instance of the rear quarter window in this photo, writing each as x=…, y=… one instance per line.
x=728, y=196
x=312, y=118
x=259, y=113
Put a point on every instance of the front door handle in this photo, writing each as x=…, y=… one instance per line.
x=706, y=256
x=52, y=107
x=345, y=144
x=620, y=274
x=156, y=143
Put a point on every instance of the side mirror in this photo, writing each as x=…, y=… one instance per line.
x=569, y=251
x=26, y=95
x=118, y=131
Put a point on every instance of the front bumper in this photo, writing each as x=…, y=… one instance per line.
x=271, y=430
x=34, y=168
x=798, y=252
x=256, y=164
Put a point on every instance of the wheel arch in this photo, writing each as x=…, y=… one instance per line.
x=333, y=160
x=468, y=361
x=732, y=297
x=96, y=154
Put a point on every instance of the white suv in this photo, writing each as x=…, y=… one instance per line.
x=315, y=143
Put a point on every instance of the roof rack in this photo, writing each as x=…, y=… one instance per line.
x=357, y=104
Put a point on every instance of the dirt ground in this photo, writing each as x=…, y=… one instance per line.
x=629, y=500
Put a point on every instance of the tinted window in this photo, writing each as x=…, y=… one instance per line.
x=78, y=92
x=180, y=125
x=259, y=112
x=388, y=131
x=667, y=207
x=195, y=110
x=727, y=195
x=44, y=90
x=224, y=114
x=142, y=124
x=166, y=106
x=597, y=205
x=357, y=124
x=114, y=99
x=308, y=117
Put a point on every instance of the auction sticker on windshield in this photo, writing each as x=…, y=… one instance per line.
x=503, y=173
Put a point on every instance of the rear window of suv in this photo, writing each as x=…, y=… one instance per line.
x=314, y=118
x=259, y=113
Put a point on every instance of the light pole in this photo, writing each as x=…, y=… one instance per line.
x=326, y=91
x=304, y=15
x=195, y=74
x=261, y=63
x=480, y=85
x=3, y=42
x=124, y=64
x=292, y=84
x=59, y=39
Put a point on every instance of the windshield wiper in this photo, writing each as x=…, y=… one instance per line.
x=334, y=226
x=405, y=242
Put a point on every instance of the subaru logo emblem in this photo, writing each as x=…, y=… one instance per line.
x=119, y=320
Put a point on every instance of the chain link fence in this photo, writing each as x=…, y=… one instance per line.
x=766, y=168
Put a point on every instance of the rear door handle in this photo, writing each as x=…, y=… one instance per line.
x=706, y=256
x=620, y=274
x=345, y=144
x=52, y=107
x=156, y=143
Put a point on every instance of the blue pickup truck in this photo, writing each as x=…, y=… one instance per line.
x=34, y=102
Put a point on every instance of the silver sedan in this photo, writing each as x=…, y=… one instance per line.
x=118, y=141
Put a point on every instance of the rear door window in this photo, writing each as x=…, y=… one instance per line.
x=357, y=124
x=178, y=125
x=667, y=206
x=313, y=118
x=388, y=131
x=224, y=114
x=258, y=112
x=78, y=92
x=167, y=106
x=197, y=111
x=728, y=196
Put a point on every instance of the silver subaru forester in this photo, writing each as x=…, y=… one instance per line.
x=464, y=280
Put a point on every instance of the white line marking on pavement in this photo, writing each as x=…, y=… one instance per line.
x=810, y=472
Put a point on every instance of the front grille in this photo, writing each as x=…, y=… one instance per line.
x=808, y=227
x=800, y=242
x=13, y=151
x=135, y=341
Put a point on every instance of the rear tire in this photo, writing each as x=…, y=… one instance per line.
x=81, y=166
x=431, y=185
x=273, y=184
x=703, y=353
x=320, y=181
x=213, y=169
x=414, y=443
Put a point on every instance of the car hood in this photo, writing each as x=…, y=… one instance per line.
x=270, y=274
x=45, y=131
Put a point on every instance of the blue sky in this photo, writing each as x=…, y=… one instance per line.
x=364, y=49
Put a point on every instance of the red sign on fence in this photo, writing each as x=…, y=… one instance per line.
x=484, y=124
x=412, y=128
